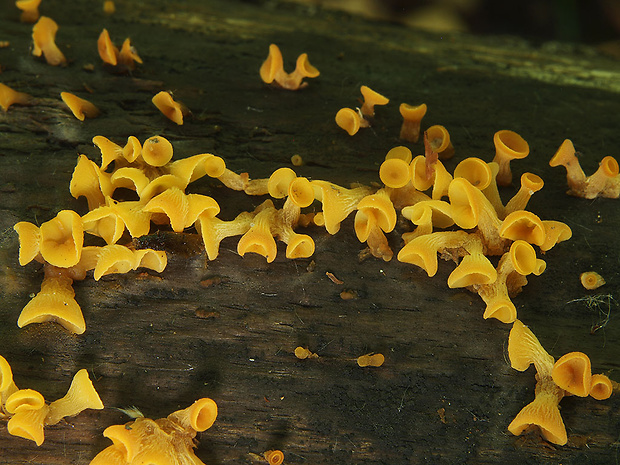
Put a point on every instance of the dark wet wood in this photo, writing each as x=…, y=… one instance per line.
x=446, y=392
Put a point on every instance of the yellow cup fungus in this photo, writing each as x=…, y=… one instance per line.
x=123, y=59
x=371, y=99
x=370, y=360
x=80, y=396
x=412, y=119
x=55, y=302
x=163, y=441
x=439, y=140
x=591, y=280
x=30, y=10
x=573, y=373
x=79, y=107
x=10, y=97
x=274, y=457
x=44, y=36
x=422, y=250
x=170, y=108
x=259, y=238
x=61, y=239
x=600, y=387
x=302, y=353
x=350, y=120
x=7, y=385
x=107, y=50
x=156, y=151
x=476, y=171
x=524, y=225
x=394, y=173
x=508, y=146
x=272, y=70
x=401, y=152
x=605, y=182
x=376, y=215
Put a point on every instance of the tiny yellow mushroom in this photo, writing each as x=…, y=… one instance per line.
x=370, y=360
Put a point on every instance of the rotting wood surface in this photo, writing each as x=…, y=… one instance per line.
x=446, y=392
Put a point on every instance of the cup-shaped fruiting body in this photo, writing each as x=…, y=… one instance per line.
x=79, y=107
x=29, y=241
x=600, y=387
x=555, y=231
x=371, y=360
x=476, y=171
x=10, y=97
x=573, y=373
x=376, y=215
x=523, y=225
x=213, y=230
x=90, y=181
x=421, y=179
x=543, y=412
x=350, y=120
x=605, y=181
x=192, y=168
x=274, y=457
x=44, y=36
x=62, y=238
x=171, y=109
x=30, y=10
x=55, y=302
x=422, y=250
x=128, y=56
x=279, y=182
x=394, y=173
x=7, y=385
x=474, y=268
x=107, y=50
x=591, y=280
x=530, y=183
x=182, y=210
x=28, y=424
x=371, y=98
x=426, y=215
x=109, y=221
x=524, y=349
x=116, y=258
x=508, y=146
x=338, y=202
x=80, y=396
x=272, y=70
x=167, y=440
x=470, y=209
x=24, y=399
x=303, y=353
x=157, y=151
x=439, y=139
x=412, y=119
x=110, y=151
x=199, y=416
x=566, y=156
x=259, y=238
x=401, y=152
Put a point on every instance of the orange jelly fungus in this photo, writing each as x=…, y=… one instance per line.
x=371, y=99
x=272, y=70
x=439, y=139
x=605, y=182
x=350, y=120
x=601, y=387
x=30, y=10
x=79, y=107
x=302, y=353
x=10, y=97
x=412, y=119
x=296, y=160
x=370, y=360
x=591, y=280
x=572, y=372
x=174, y=111
x=508, y=146
x=168, y=440
x=107, y=50
x=44, y=36
x=274, y=457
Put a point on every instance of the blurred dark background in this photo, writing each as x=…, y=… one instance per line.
x=594, y=22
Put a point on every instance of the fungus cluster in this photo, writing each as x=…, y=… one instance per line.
x=570, y=375
x=604, y=182
x=458, y=216
x=166, y=441
x=28, y=413
x=272, y=70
